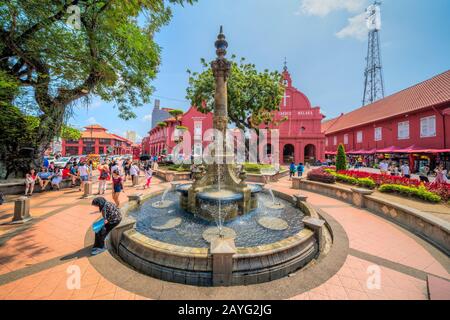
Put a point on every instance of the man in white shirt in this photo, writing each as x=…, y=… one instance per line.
x=83, y=172
x=405, y=170
x=134, y=171
x=383, y=167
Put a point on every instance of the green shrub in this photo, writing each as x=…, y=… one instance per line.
x=179, y=168
x=341, y=159
x=420, y=192
x=366, y=183
x=255, y=168
x=361, y=182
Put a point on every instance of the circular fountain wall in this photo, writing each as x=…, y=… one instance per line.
x=170, y=243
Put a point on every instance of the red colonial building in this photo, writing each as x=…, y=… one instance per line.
x=301, y=137
x=162, y=140
x=96, y=140
x=412, y=125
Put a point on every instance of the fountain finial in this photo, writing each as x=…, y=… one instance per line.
x=221, y=44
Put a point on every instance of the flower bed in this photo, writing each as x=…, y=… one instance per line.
x=360, y=182
x=388, y=183
x=321, y=175
x=420, y=192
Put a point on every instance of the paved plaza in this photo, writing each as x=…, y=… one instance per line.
x=38, y=259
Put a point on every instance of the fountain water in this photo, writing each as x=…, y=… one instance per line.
x=274, y=204
x=163, y=203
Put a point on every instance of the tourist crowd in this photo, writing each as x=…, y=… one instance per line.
x=79, y=173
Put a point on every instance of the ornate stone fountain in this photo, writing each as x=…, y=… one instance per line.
x=217, y=183
x=222, y=231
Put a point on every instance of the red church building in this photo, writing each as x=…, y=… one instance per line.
x=301, y=137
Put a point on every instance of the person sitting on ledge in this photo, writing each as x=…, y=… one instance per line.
x=44, y=178
x=112, y=218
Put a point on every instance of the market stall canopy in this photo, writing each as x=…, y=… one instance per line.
x=387, y=150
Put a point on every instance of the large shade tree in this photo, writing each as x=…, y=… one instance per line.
x=253, y=96
x=58, y=52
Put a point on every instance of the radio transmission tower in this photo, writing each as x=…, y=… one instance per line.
x=374, y=85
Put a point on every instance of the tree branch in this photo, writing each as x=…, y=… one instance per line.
x=57, y=16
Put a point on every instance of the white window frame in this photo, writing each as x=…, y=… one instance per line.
x=427, y=123
x=346, y=139
x=359, y=137
x=378, y=134
x=335, y=140
x=198, y=129
x=399, y=125
x=326, y=142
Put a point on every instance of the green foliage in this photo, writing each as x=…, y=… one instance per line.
x=176, y=113
x=70, y=133
x=182, y=128
x=361, y=182
x=112, y=54
x=420, y=192
x=255, y=168
x=341, y=159
x=162, y=124
x=180, y=168
x=253, y=96
x=366, y=183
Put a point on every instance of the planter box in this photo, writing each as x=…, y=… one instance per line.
x=170, y=176
x=425, y=225
x=259, y=178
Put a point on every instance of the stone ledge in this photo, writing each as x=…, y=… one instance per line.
x=433, y=229
x=428, y=217
x=362, y=191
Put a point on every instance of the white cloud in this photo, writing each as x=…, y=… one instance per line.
x=356, y=28
x=147, y=118
x=91, y=120
x=323, y=7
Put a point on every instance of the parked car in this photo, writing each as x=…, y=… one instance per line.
x=61, y=162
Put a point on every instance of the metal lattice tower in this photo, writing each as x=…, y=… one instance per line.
x=374, y=84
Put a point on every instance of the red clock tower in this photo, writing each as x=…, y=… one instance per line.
x=301, y=139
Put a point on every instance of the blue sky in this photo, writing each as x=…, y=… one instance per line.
x=324, y=41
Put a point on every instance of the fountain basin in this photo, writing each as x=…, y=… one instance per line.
x=181, y=255
x=193, y=266
x=224, y=196
x=209, y=199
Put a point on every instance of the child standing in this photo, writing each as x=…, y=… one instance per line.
x=117, y=186
x=300, y=169
x=148, y=175
x=292, y=169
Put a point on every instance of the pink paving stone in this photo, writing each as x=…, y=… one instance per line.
x=438, y=288
x=336, y=292
x=64, y=233
x=351, y=283
x=356, y=295
x=374, y=235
